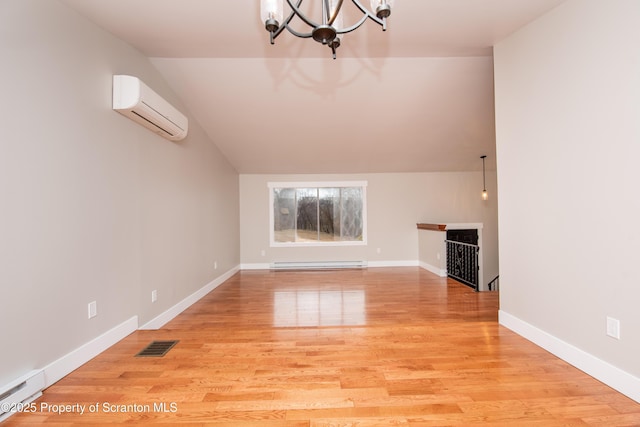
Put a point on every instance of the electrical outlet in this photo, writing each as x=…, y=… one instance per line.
x=93, y=309
x=263, y=253
x=215, y=265
x=613, y=327
x=378, y=250
x=154, y=295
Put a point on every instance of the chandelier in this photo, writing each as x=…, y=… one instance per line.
x=327, y=30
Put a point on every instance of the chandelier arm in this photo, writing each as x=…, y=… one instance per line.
x=277, y=32
x=354, y=26
x=335, y=13
x=301, y=15
x=367, y=12
x=296, y=33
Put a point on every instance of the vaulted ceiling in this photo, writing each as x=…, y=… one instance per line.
x=418, y=97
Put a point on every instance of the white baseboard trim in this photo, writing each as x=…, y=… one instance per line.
x=162, y=319
x=612, y=376
x=78, y=357
x=435, y=270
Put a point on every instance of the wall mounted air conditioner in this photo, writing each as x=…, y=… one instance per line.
x=134, y=99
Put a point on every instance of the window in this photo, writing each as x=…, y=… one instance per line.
x=318, y=213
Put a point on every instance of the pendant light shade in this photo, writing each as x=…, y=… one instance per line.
x=272, y=13
x=335, y=5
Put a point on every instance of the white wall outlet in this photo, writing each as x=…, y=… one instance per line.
x=154, y=295
x=438, y=255
x=263, y=252
x=613, y=327
x=93, y=309
x=378, y=250
x=215, y=265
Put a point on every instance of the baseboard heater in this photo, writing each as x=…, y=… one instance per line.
x=318, y=265
x=17, y=394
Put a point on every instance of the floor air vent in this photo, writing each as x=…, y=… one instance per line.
x=157, y=349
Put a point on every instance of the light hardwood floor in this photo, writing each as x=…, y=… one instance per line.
x=373, y=347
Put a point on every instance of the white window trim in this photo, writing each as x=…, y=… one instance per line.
x=316, y=184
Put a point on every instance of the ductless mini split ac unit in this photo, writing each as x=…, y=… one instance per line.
x=135, y=100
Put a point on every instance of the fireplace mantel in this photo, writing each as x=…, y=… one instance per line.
x=434, y=227
x=450, y=226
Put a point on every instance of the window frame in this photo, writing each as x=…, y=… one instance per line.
x=318, y=184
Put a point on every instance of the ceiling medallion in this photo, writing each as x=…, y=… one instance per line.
x=326, y=31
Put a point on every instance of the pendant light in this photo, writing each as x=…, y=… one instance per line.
x=485, y=195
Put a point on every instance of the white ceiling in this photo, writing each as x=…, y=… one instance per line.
x=418, y=97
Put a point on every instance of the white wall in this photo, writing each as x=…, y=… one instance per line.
x=396, y=203
x=568, y=144
x=432, y=251
x=94, y=206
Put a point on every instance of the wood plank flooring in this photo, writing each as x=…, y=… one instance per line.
x=373, y=347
